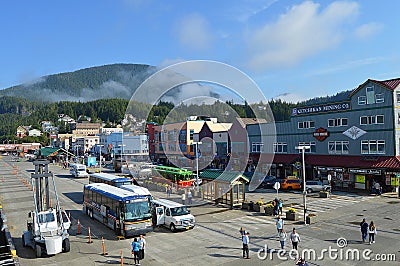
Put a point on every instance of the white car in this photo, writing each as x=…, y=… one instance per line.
x=316, y=186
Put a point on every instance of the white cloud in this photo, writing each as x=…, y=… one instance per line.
x=367, y=30
x=194, y=32
x=304, y=30
x=291, y=97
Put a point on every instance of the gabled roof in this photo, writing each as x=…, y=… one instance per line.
x=250, y=121
x=390, y=84
x=218, y=127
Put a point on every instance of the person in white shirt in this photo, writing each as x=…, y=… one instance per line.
x=279, y=224
x=295, y=238
x=246, y=241
x=371, y=232
x=282, y=238
x=184, y=198
x=142, y=243
x=189, y=196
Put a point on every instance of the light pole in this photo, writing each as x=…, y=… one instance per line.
x=100, y=156
x=197, y=162
x=303, y=148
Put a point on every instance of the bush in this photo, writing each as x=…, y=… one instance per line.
x=269, y=205
x=260, y=202
x=292, y=210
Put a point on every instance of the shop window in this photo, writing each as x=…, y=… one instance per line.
x=280, y=147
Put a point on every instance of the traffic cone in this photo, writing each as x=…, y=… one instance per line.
x=121, y=259
x=103, y=247
x=90, y=236
x=79, y=228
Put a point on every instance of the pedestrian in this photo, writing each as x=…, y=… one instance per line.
x=372, y=232
x=378, y=189
x=280, y=205
x=135, y=251
x=295, y=238
x=301, y=262
x=246, y=241
x=190, y=197
x=242, y=232
x=282, y=238
x=364, y=230
x=276, y=206
x=184, y=198
x=169, y=191
x=142, y=246
x=279, y=224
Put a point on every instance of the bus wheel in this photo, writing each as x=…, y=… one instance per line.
x=38, y=250
x=172, y=227
x=23, y=241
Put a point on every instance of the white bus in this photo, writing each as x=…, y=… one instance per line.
x=138, y=190
x=126, y=212
x=113, y=180
x=78, y=170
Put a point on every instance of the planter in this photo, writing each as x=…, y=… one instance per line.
x=311, y=219
x=250, y=207
x=245, y=205
x=292, y=216
x=268, y=211
x=256, y=208
x=324, y=194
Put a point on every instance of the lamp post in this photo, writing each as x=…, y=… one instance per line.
x=197, y=163
x=303, y=148
x=100, y=157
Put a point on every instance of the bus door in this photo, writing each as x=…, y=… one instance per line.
x=160, y=215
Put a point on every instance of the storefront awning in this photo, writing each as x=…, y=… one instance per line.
x=387, y=162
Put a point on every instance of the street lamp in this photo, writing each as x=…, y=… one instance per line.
x=197, y=162
x=303, y=148
x=100, y=156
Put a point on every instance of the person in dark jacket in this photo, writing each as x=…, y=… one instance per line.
x=364, y=230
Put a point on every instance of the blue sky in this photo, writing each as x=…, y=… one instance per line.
x=292, y=49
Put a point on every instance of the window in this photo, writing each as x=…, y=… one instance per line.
x=338, y=147
x=280, y=147
x=311, y=144
x=398, y=97
x=362, y=100
x=171, y=147
x=370, y=120
x=337, y=122
x=370, y=95
x=191, y=134
x=379, y=98
x=306, y=124
x=372, y=147
x=257, y=147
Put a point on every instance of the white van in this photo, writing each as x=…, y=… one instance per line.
x=78, y=170
x=173, y=215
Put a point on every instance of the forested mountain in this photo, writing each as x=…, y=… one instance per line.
x=109, y=81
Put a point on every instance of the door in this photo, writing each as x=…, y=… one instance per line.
x=160, y=215
x=66, y=220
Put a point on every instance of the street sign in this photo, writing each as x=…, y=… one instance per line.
x=277, y=185
x=329, y=178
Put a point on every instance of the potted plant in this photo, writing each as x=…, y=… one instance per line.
x=245, y=205
x=324, y=194
x=291, y=214
x=311, y=218
x=269, y=209
x=257, y=205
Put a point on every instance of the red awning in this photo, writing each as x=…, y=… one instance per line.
x=389, y=162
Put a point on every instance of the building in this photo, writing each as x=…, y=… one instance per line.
x=355, y=141
x=85, y=129
x=34, y=133
x=22, y=131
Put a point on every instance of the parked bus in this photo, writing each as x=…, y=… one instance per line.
x=78, y=170
x=109, y=179
x=127, y=213
x=138, y=190
x=180, y=176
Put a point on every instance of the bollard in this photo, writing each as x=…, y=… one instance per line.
x=79, y=228
x=121, y=259
x=90, y=236
x=103, y=247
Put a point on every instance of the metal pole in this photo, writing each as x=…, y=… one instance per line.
x=100, y=159
x=304, y=187
x=197, y=167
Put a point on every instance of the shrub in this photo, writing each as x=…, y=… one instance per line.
x=260, y=202
x=269, y=205
x=292, y=210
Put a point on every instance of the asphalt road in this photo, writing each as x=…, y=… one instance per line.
x=215, y=240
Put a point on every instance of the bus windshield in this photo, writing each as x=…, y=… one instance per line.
x=177, y=211
x=137, y=210
x=119, y=184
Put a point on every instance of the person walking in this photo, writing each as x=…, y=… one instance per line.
x=295, y=238
x=378, y=189
x=372, y=232
x=280, y=205
x=282, y=238
x=184, y=198
x=246, y=241
x=190, y=197
x=279, y=224
x=169, y=189
x=135, y=251
x=364, y=230
x=142, y=246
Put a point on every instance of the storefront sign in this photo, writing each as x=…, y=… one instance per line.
x=360, y=178
x=336, y=169
x=323, y=108
x=321, y=134
x=394, y=181
x=365, y=171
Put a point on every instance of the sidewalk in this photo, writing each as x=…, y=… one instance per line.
x=196, y=201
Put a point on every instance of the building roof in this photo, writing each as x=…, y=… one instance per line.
x=250, y=121
x=388, y=162
x=218, y=127
x=222, y=176
x=390, y=84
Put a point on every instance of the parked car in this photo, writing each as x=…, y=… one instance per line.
x=290, y=183
x=316, y=186
x=268, y=182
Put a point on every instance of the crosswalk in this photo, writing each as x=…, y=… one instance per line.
x=320, y=205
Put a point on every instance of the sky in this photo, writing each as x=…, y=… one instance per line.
x=292, y=49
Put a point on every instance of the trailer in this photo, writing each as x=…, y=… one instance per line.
x=47, y=226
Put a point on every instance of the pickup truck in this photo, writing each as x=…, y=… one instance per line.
x=316, y=186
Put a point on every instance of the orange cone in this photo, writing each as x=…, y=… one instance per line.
x=79, y=228
x=121, y=259
x=103, y=247
x=90, y=236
